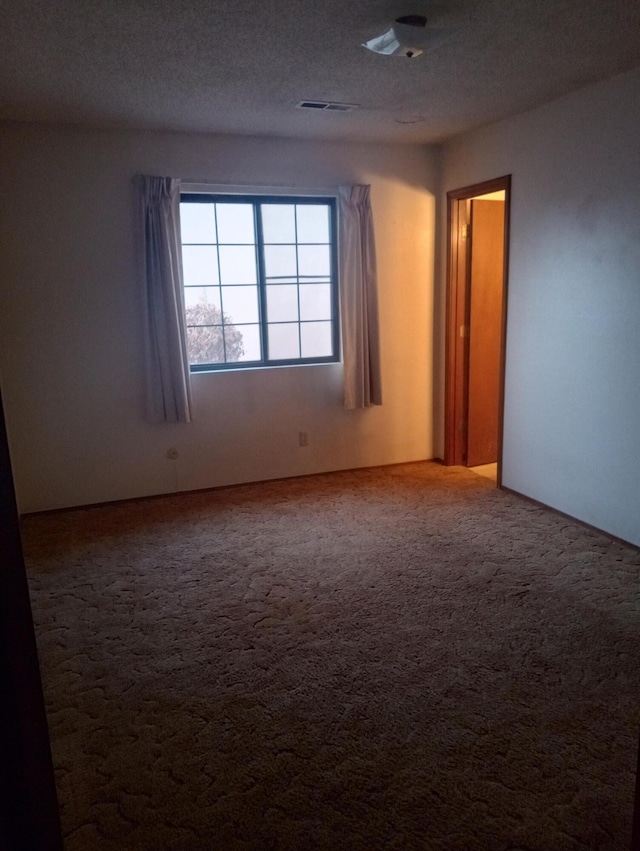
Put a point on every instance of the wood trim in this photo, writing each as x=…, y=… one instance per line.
x=505, y=306
x=493, y=185
x=455, y=346
x=457, y=309
x=450, y=335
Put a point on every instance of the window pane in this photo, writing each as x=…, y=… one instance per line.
x=204, y=345
x=314, y=260
x=283, y=341
x=198, y=222
x=315, y=301
x=235, y=223
x=199, y=265
x=282, y=303
x=240, y=304
x=204, y=310
x=280, y=261
x=278, y=223
x=196, y=295
x=313, y=222
x=238, y=264
x=243, y=342
x=316, y=339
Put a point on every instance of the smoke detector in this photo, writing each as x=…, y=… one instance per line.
x=408, y=36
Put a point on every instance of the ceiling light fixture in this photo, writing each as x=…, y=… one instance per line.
x=408, y=36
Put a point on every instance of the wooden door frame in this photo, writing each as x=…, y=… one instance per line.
x=457, y=316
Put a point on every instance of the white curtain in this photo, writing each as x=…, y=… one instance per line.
x=359, y=300
x=167, y=363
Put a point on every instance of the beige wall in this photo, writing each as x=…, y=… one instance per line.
x=70, y=353
x=572, y=407
x=70, y=348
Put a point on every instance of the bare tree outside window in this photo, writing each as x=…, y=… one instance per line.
x=206, y=337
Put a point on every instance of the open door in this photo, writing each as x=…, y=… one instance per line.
x=478, y=225
x=484, y=297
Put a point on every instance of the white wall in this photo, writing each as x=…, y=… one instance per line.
x=572, y=419
x=70, y=347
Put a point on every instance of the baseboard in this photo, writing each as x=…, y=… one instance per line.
x=573, y=519
x=222, y=487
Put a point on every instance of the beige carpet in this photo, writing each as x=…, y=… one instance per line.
x=397, y=659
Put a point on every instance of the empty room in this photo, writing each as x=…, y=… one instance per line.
x=319, y=366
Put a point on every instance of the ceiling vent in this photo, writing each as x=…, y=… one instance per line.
x=329, y=106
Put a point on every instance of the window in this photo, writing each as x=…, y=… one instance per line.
x=259, y=280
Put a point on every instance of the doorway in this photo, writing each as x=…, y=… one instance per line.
x=478, y=243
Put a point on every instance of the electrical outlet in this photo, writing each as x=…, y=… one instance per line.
x=303, y=438
x=172, y=454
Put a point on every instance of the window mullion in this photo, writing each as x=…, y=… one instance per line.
x=262, y=286
x=222, y=326
x=295, y=232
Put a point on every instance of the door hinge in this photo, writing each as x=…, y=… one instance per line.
x=464, y=330
x=465, y=231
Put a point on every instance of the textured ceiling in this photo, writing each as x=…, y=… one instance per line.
x=240, y=66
